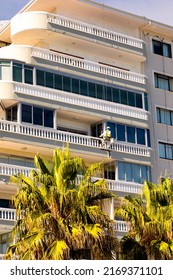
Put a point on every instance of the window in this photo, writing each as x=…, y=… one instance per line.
x=164, y=116
x=166, y=151
x=28, y=74
x=130, y=134
x=163, y=82
x=37, y=115
x=17, y=72
x=132, y=172
x=96, y=130
x=162, y=48
x=11, y=114
x=5, y=70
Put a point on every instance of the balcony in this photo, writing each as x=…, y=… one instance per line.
x=80, y=100
x=9, y=170
x=96, y=31
x=66, y=137
x=7, y=214
x=37, y=21
x=90, y=66
x=122, y=226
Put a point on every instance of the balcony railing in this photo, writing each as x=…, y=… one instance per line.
x=88, y=65
x=113, y=185
x=122, y=226
x=80, y=100
x=82, y=140
x=9, y=170
x=7, y=214
x=95, y=30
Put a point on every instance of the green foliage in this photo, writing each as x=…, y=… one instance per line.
x=151, y=221
x=58, y=218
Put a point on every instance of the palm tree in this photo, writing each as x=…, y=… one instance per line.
x=58, y=218
x=151, y=222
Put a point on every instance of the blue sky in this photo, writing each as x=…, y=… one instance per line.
x=159, y=10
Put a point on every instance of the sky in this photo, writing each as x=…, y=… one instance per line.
x=158, y=10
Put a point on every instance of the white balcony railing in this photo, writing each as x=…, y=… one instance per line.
x=80, y=100
x=57, y=135
x=122, y=226
x=9, y=170
x=88, y=65
x=95, y=30
x=7, y=214
x=113, y=185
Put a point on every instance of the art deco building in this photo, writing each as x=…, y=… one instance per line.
x=68, y=70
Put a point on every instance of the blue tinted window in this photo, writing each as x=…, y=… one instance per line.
x=130, y=134
x=112, y=129
x=26, y=113
x=141, y=136
x=120, y=132
x=121, y=171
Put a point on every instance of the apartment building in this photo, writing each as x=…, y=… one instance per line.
x=67, y=72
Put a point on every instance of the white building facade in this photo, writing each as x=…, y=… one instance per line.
x=67, y=72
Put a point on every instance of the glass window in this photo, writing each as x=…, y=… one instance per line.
x=131, y=99
x=92, y=90
x=66, y=84
x=141, y=136
x=83, y=87
x=129, y=172
x=121, y=132
x=146, y=101
x=168, y=151
x=5, y=70
x=99, y=90
x=58, y=81
x=116, y=95
x=49, y=79
x=148, y=138
x=112, y=129
x=162, y=48
x=144, y=173
x=28, y=74
x=162, y=150
x=37, y=116
x=136, y=173
x=17, y=72
x=75, y=85
x=40, y=78
x=138, y=100
x=131, y=134
x=123, y=97
x=121, y=171
x=109, y=93
x=48, y=118
x=26, y=113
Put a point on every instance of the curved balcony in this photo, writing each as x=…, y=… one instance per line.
x=87, y=65
x=67, y=137
x=60, y=24
x=80, y=100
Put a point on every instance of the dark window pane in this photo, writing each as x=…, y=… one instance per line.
x=130, y=134
x=48, y=118
x=109, y=94
x=8, y=114
x=17, y=72
x=93, y=131
x=140, y=136
x=123, y=94
x=26, y=113
x=146, y=101
x=129, y=176
x=92, y=90
x=138, y=100
x=148, y=138
x=28, y=75
x=58, y=81
x=120, y=132
x=136, y=173
x=99, y=90
x=157, y=47
x=144, y=174
x=83, y=87
x=75, y=85
x=14, y=113
x=40, y=78
x=121, y=171
x=66, y=84
x=49, y=80
x=37, y=116
x=116, y=95
x=131, y=99
x=112, y=129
